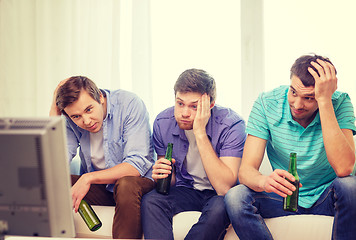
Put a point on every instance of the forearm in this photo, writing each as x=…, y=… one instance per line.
x=111, y=175
x=221, y=177
x=252, y=178
x=339, y=150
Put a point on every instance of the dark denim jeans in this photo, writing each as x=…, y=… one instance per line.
x=247, y=209
x=157, y=211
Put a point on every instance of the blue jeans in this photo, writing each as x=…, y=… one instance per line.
x=157, y=211
x=247, y=208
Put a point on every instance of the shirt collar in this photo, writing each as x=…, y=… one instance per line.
x=109, y=109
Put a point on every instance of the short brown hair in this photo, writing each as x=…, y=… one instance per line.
x=301, y=65
x=196, y=80
x=69, y=92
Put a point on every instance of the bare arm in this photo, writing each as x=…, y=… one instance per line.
x=339, y=145
x=222, y=172
x=250, y=176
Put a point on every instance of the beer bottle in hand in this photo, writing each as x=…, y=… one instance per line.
x=164, y=184
x=290, y=202
x=89, y=216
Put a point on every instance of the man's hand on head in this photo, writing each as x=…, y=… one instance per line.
x=325, y=82
x=203, y=115
x=54, y=111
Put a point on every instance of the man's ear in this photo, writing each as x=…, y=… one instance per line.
x=102, y=100
x=212, y=104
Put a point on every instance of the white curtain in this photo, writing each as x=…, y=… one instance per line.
x=45, y=41
x=112, y=42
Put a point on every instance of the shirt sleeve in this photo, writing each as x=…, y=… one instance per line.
x=257, y=123
x=157, y=139
x=233, y=140
x=138, y=150
x=344, y=112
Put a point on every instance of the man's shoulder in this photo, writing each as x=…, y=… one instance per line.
x=224, y=115
x=272, y=101
x=124, y=102
x=276, y=94
x=340, y=97
x=120, y=95
x=166, y=114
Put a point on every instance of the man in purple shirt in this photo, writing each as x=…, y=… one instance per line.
x=208, y=141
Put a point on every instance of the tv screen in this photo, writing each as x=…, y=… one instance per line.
x=35, y=184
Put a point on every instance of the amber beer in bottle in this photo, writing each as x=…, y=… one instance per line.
x=164, y=184
x=290, y=202
x=89, y=216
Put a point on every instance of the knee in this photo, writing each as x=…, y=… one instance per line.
x=346, y=186
x=124, y=183
x=236, y=196
x=236, y=199
x=217, y=205
x=126, y=190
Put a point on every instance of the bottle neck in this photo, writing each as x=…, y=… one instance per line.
x=169, y=151
x=293, y=165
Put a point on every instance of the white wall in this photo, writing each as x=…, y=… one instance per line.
x=196, y=34
x=143, y=46
x=324, y=27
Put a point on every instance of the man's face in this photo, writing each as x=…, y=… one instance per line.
x=302, y=103
x=87, y=113
x=185, y=109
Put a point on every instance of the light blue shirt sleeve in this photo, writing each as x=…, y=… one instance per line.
x=127, y=132
x=137, y=137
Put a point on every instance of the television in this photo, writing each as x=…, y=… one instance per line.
x=35, y=197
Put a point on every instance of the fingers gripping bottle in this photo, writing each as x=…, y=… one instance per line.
x=164, y=184
x=89, y=216
x=290, y=203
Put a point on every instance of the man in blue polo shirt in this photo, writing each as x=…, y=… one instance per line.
x=317, y=122
x=208, y=143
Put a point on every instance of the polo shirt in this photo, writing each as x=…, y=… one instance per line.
x=271, y=119
x=225, y=130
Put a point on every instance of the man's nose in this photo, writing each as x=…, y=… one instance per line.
x=298, y=103
x=186, y=112
x=86, y=119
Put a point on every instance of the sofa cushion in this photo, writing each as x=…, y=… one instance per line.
x=296, y=227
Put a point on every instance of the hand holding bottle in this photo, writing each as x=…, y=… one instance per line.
x=278, y=183
x=162, y=168
x=165, y=176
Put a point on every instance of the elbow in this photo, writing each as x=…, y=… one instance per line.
x=222, y=190
x=344, y=172
x=345, y=168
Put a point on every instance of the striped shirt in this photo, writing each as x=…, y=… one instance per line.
x=271, y=119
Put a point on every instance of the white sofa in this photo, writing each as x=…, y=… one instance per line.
x=295, y=227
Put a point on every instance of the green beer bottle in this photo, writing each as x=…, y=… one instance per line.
x=89, y=216
x=164, y=184
x=290, y=202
